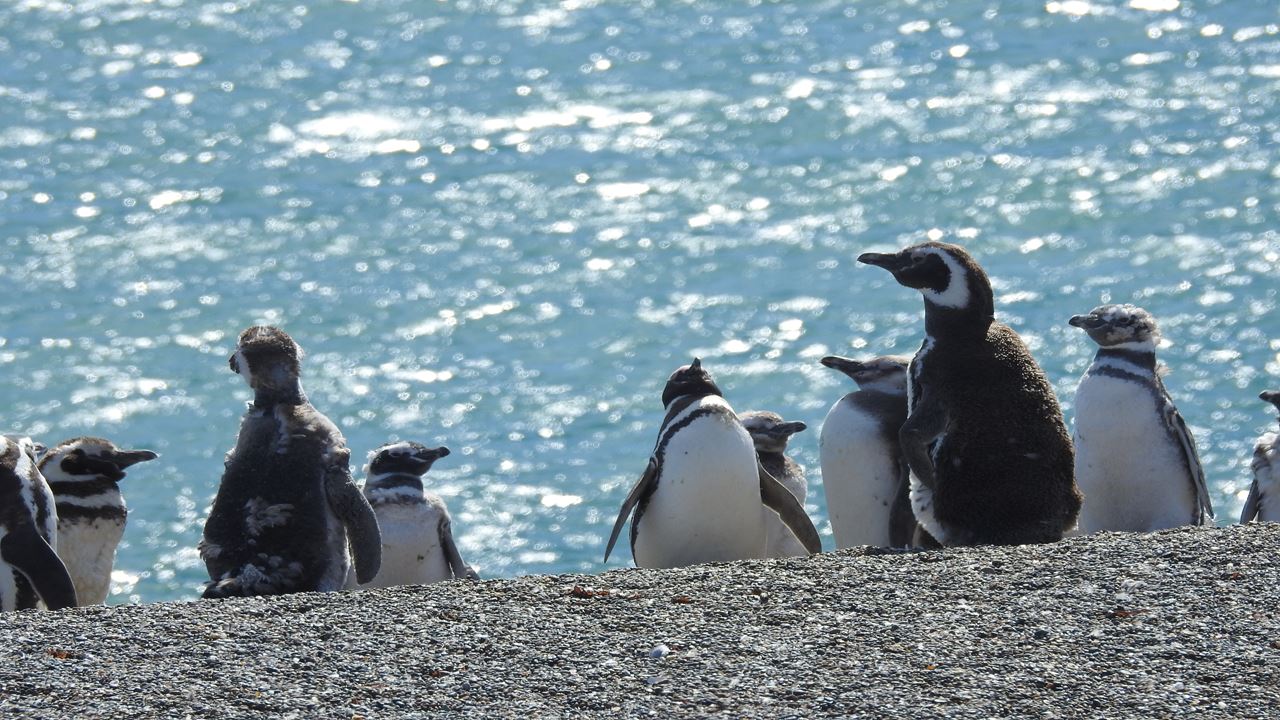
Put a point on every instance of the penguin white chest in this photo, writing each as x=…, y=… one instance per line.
x=88, y=549
x=411, y=552
x=1129, y=468
x=8, y=582
x=706, y=507
x=859, y=475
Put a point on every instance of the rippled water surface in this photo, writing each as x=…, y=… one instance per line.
x=500, y=225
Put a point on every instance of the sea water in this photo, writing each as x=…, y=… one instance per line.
x=501, y=225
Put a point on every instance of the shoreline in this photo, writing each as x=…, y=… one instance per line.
x=1114, y=624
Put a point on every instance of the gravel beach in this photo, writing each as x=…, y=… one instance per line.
x=1117, y=625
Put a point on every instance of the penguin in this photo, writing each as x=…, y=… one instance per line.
x=704, y=495
x=287, y=509
x=31, y=573
x=864, y=474
x=84, y=474
x=417, y=534
x=770, y=433
x=991, y=461
x=1136, y=462
x=1263, y=503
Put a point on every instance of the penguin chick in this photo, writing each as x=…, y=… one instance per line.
x=287, y=509
x=990, y=458
x=770, y=433
x=31, y=573
x=84, y=474
x=864, y=474
x=417, y=533
x=703, y=495
x=1136, y=461
x=1263, y=503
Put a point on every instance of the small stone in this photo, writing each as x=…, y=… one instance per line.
x=660, y=651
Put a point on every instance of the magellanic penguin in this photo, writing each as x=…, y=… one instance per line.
x=1136, y=462
x=703, y=496
x=31, y=573
x=417, y=533
x=84, y=474
x=770, y=433
x=864, y=474
x=990, y=458
x=1263, y=503
x=287, y=506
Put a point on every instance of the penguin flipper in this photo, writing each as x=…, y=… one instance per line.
x=1173, y=420
x=902, y=519
x=778, y=498
x=927, y=421
x=26, y=550
x=647, y=483
x=1253, y=504
x=356, y=515
x=459, y=568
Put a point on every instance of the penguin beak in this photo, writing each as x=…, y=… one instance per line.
x=125, y=458
x=696, y=364
x=848, y=366
x=38, y=448
x=1086, y=322
x=893, y=262
x=787, y=429
x=433, y=454
x=1271, y=396
x=235, y=366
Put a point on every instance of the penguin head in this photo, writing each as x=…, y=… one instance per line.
x=18, y=446
x=90, y=458
x=267, y=358
x=409, y=458
x=947, y=276
x=1271, y=396
x=887, y=373
x=690, y=379
x=769, y=431
x=1126, y=327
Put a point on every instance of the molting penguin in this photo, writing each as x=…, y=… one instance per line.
x=1136, y=462
x=417, y=533
x=703, y=496
x=31, y=573
x=287, y=506
x=1263, y=502
x=864, y=474
x=990, y=458
x=770, y=433
x=84, y=474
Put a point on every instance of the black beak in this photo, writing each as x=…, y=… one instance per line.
x=125, y=458
x=893, y=262
x=848, y=366
x=1271, y=396
x=235, y=366
x=696, y=364
x=433, y=454
x=787, y=429
x=1086, y=322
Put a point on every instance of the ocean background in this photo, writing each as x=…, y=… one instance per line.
x=500, y=225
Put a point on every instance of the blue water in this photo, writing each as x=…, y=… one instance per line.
x=500, y=225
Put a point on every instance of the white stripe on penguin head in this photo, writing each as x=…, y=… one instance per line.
x=956, y=294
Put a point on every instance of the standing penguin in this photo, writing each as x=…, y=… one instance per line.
x=1263, y=503
x=286, y=508
x=991, y=461
x=30, y=571
x=84, y=474
x=1136, y=462
x=864, y=474
x=703, y=496
x=417, y=533
x=770, y=433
